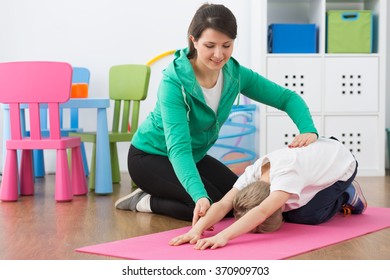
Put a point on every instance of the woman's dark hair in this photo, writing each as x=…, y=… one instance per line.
x=214, y=16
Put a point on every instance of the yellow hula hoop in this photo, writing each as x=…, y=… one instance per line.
x=153, y=60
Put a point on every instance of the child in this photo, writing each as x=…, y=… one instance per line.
x=307, y=185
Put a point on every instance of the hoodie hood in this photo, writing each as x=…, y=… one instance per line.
x=180, y=71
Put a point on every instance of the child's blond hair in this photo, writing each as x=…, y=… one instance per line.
x=250, y=197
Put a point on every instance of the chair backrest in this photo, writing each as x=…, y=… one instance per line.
x=80, y=88
x=128, y=84
x=80, y=75
x=34, y=83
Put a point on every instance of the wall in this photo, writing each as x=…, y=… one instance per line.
x=388, y=82
x=100, y=33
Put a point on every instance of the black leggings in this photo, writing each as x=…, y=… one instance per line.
x=154, y=174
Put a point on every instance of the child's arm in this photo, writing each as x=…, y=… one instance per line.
x=249, y=221
x=216, y=212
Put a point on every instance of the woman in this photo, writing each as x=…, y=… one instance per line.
x=168, y=158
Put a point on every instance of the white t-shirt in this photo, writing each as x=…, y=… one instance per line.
x=213, y=95
x=303, y=172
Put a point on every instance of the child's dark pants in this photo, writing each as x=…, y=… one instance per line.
x=323, y=206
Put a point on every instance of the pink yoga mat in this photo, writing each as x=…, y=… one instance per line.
x=290, y=240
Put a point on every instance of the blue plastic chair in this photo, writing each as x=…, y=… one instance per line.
x=80, y=75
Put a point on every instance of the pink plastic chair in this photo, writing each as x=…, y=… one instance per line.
x=33, y=83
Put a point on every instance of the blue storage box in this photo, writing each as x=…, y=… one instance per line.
x=292, y=38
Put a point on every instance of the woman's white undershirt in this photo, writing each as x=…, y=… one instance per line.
x=213, y=95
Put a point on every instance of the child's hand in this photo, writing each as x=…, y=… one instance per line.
x=211, y=242
x=188, y=237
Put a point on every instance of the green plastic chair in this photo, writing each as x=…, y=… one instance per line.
x=128, y=86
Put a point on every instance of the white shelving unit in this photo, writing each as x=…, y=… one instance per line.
x=345, y=92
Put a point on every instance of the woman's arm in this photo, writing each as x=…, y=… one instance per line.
x=249, y=221
x=216, y=213
x=178, y=139
x=269, y=93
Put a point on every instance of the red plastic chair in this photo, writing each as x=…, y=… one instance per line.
x=33, y=83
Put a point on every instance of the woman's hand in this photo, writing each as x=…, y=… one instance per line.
x=303, y=140
x=201, y=207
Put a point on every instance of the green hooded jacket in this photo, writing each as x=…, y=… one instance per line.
x=183, y=127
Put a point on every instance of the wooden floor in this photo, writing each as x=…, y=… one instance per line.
x=36, y=227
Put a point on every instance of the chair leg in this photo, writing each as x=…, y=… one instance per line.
x=9, y=183
x=79, y=182
x=39, y=163
x=116, y=175
x=92, y=175
x=63, y=191
x=26, y=173
x=85, y=161
x=84, y=157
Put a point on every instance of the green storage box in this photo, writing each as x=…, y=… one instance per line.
x=349, y=31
